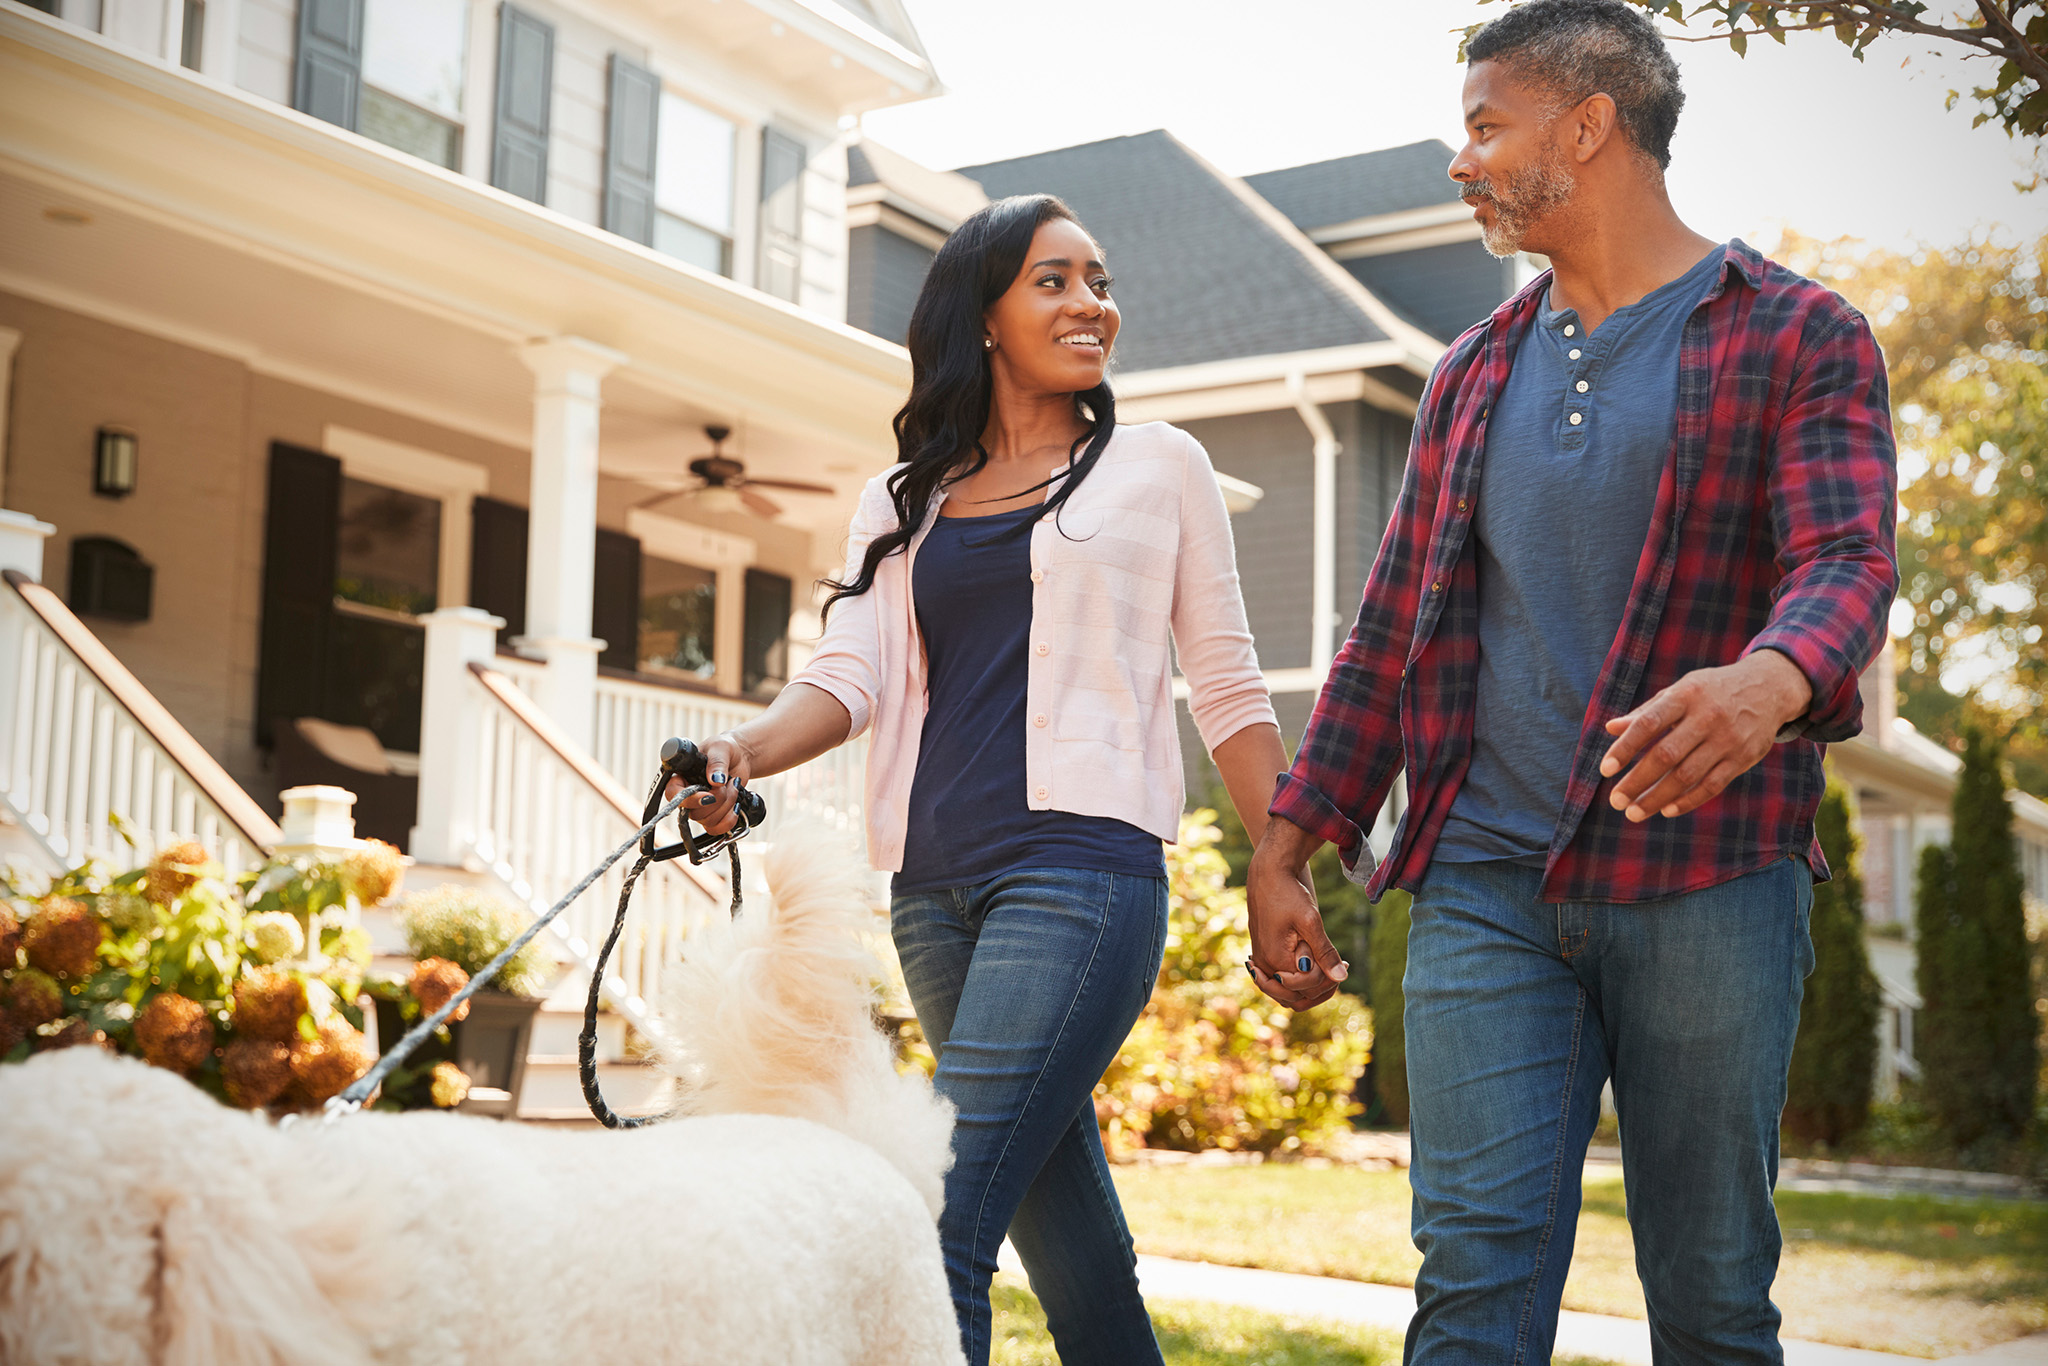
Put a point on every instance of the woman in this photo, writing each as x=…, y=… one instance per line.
x=1003, y=628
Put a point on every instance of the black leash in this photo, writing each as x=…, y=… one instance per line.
x=679, y=760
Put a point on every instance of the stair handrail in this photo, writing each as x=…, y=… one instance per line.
x=229, y=802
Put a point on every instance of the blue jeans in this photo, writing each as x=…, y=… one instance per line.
x=1026, y=985
x=1518, y=1011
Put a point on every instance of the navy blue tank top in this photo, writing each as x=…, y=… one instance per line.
x=969, y=819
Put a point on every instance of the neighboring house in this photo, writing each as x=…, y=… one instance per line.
x=352, y=280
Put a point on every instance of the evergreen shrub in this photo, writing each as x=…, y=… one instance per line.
x=1834, y=1057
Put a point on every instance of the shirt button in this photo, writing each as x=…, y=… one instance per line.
x=1437, y=587
x=1044, y=649
x=1038, y=576
x=1038, y=720
x=1582, y=386
x=1577, y=418
x=1575, y=353
x=1570, y=331
x=1461, y=505
x=1040, y=794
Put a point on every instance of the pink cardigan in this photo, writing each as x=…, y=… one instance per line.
x=1145, y=557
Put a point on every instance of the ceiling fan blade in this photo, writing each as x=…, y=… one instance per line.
x=664, y=496
x=791, y=485
x=757, y=504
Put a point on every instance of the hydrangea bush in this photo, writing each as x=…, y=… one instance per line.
x=246, y=986
x=1213, y=1063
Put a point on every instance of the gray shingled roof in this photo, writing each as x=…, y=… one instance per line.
x=1199, y=275
x=1324, y=193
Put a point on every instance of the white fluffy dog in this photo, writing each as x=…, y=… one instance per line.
x=786, y=1218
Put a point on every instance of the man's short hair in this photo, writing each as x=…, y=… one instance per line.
x=1577, y=48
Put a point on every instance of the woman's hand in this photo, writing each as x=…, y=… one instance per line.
x=728, y=762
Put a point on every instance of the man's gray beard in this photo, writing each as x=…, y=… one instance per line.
x=1528, y=197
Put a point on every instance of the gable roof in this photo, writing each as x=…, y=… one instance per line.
x=1205, y=269
x=1393, y=180
x=940, y=197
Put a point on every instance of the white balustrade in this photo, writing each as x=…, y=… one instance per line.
x=89, y=759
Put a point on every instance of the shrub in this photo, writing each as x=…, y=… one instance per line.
x=1975, y=1033
x=1385, y=967
x=1834, y=1056
x=1212, y=1063
x=469, y=928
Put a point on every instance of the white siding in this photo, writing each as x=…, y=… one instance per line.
x=269, y=33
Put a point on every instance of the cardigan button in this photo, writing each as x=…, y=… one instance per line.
x=1044, y=649
x=1040, y=793
x=1039, y=720
x=1038, y=576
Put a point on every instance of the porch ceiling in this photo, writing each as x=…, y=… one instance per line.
x=229, y=223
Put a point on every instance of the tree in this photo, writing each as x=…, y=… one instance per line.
x=1975, y=1037
x=1965, y=336
x=2015, y=32
x=1387, y=966
x=1834, y=1057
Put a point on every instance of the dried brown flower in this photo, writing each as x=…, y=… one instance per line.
x=255, y=1071
x=434, y=980
x=174, y=1032
x=268, y=1006
x=63, y=937
x=34, y=998
x=450, y=1086
x=325, y=1066
x=75, y=1033
x=174, y=871
x=12, y=1032
x=10, y=939
x=373, y=871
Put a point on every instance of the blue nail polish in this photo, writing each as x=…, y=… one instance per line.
x=1304, y=963
x=717, y=778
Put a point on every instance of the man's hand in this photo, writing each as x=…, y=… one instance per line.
x=1701, y=733
x=1287, y=928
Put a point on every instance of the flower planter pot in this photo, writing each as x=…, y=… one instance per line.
x=490, y=1046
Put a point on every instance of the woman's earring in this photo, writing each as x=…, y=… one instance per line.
x=988, y=343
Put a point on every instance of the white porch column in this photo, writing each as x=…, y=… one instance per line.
x=561, y=544
x=451, y=733
x=1322, y=646
x=21, y=543
x=21, y=547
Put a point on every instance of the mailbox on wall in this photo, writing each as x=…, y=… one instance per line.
x=109, y=579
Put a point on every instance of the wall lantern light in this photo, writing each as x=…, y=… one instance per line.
x=113, y=462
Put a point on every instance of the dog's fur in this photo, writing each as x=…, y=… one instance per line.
x=788, y=1217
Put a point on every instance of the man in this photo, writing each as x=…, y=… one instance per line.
x=1643, y=549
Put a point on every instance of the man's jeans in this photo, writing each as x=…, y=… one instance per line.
x=1518, y=1012
x=1026, y=985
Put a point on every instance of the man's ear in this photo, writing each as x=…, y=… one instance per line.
x=1591, y=125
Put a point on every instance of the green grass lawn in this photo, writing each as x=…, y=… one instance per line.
x=1928, y=1278
x=1197, y=1334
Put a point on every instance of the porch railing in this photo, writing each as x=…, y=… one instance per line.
x=633, y=718
x=87, y=753
x=545, y=813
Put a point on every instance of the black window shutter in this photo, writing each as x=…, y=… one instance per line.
x=526, y=67
x=615, y=599
x=631, y=132
x=766, y=656
x=497, y=563
x=327, y=78
x=782, y=214
x=301, y=526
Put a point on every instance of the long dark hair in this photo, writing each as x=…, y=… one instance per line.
x=938, y=430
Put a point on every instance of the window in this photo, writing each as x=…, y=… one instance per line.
x=693, y=179
x=412, y=76
x=678, y=619
x=389, y=556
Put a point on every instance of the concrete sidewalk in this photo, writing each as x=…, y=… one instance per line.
x=1600, y=1336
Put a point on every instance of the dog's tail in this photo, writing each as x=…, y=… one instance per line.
x=774, y=1014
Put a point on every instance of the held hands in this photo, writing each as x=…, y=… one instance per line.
x=1286, y=926
x=727, y=764
x=1698, y=735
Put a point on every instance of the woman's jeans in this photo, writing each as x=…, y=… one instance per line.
x=1518, y=1011
x=1026, y=985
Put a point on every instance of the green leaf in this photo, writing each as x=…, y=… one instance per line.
x=1740, y=42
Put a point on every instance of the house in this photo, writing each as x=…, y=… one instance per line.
x=449, y=399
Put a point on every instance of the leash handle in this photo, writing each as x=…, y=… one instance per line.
x=680, y=759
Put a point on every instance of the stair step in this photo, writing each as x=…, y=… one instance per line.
x=553, y=1087
x=556, y=1032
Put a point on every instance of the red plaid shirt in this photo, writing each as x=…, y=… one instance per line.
x=1774, y=529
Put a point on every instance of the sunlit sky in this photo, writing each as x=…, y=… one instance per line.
x=1803, y=135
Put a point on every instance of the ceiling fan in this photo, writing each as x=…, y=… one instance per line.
x=723, y=484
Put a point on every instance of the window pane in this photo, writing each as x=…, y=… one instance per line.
x=408, y=128
x=678, y=618
x=414, y=49
x=390, y=554
x=693, y=164
x=688, y=242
